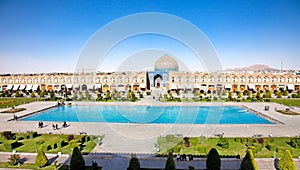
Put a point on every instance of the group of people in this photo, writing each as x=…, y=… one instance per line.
x=40, y=124
x=183, y=157
x=267, y=108
x=55, y=126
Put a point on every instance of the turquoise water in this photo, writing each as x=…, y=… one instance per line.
x=150, y=115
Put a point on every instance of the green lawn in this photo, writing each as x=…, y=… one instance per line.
x=10, y=102
x=51, y=143
x=287, y=102
x=200, y=146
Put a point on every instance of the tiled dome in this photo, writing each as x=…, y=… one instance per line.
x=166, y=63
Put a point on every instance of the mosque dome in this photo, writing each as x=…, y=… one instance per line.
x=166, y=63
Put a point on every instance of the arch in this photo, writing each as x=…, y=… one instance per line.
x=157, y=80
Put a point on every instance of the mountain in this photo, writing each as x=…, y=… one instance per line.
x=256, y=67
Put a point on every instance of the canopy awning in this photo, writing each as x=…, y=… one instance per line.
x=281, y=86
x=227, y=86
x=251, y=86
x=204, y=88
x=121, y=88
x=180, y=86
x=56, y=87
x=142, y=86
x=196, y=86
x=9, y=87
x=173, y=87
x=22, y=87
x=29, y=87
x=290, y=87
x=69, y=86
x=98, y=86
x=35, y=87
x=76, y=86
x=188, y=86
x=16, y=87
x=90, y=86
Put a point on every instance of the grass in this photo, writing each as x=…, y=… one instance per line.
x=48, y=142
x=14, y=110
x=287, y=102
x=200, y=146
x=12, y=102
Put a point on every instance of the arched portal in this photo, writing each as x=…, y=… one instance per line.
x=157, y=80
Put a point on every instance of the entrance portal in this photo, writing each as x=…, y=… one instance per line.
x=157, y=80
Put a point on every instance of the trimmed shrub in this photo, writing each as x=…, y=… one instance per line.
x=213, y=161
x=7, y=135
x=41, y=160
x=134, y=163
x=54, y=145
x=70, y=137
x=14, y=159
x=248, y=163
x=286, y=162
x=170, y=164
x=63, y=143
x=49, y=147
x=94, y=165
x=77, y=162
x=223, y=143
x=12, y=145
x=33, y=134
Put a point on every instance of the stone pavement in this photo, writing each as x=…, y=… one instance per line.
x=120, y=161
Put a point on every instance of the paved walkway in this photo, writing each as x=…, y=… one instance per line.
x=121, y=161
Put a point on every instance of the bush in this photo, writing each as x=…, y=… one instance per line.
x=213, y=161
x=170, y=164
x=14, y=159
x=70, y=137
x=33, y=134
x=49, y=147
x=248, y=163
x=77, y=162
x=94, y=165
x=223, y=143
x=54, y=145
x=41, y=160
x=7, y=135
x=134, y=163
x=286, y=162
x=12, y=145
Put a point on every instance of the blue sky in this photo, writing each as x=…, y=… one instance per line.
x=47, y=36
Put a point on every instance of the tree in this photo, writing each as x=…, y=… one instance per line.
x=258, y=95
x=230, y=95
x=134, y=163
x=51, y=94
x=77, y=161
x=14, y=159
x=170, y=164
x=286, y=162
x=41, y=159
x=213, y=161
x=248, y=163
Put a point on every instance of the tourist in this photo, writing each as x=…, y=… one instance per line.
x=56, y=127
x=178, y=157
x=53, y=126
x=65, y=124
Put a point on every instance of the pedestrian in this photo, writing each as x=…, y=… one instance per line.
x=56, y=126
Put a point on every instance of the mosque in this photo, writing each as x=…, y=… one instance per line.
x=165, y=76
